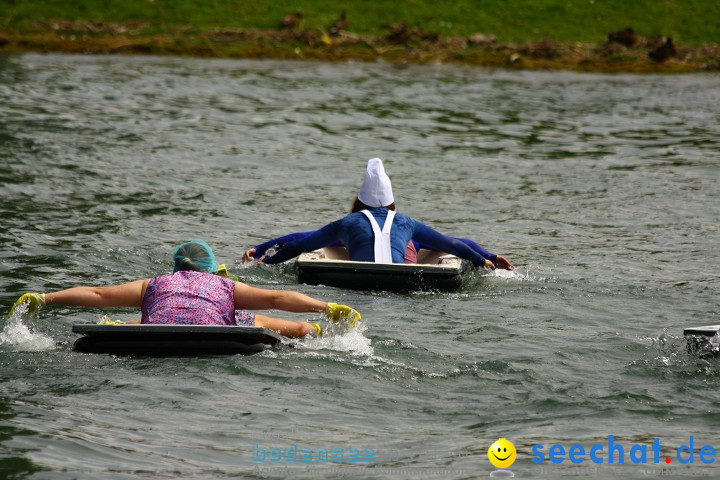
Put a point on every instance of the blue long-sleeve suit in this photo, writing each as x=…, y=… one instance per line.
x=355, y=232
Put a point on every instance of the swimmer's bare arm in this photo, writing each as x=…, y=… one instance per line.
x=125, y=295
x=251, y=298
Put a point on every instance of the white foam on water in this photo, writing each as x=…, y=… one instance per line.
x=20, y=336
x=340, y=340
x=516, y=274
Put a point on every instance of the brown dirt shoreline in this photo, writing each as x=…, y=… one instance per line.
x=402, y=45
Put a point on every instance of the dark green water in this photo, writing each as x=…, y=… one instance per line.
x=602, y=189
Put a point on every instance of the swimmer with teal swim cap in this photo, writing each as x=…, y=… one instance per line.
x=197, y=255
x=198, y=293
x=194, y=255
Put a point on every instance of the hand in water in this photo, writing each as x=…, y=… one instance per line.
x=337, y=312
x=35, y=301
x=504, y=263
x=248, y=256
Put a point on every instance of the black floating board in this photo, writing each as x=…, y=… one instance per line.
x=705, y=331
x=312, y=269
x=173, y=340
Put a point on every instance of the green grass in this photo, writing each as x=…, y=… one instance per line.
x=689, y=22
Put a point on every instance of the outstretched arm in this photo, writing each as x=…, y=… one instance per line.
x=434, y=240
x=287, y=328
x=125, y=295
x=498, y=260
x=490, y=256
x=258, y=251
x=252, y=298
x=321, y=238
x=471, y=244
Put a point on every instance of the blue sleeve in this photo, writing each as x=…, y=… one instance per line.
x=318, y=239
x=490, y=256
x=434, y=240
x=279, y=242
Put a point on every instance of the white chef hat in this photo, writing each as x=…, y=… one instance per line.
x=376, y=189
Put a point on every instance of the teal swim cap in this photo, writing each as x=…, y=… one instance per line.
x=194, y=255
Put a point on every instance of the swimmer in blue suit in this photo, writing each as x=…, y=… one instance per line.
x=374, y=232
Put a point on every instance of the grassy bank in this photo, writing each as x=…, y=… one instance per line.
x=569, y=34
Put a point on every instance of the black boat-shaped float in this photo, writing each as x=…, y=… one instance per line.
x=322, y=267
x=703, y=341
x=173, y=340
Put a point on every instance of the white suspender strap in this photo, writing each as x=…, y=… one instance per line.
x=383, y=252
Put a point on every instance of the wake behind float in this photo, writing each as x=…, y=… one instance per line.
x=322, y=267
x=173, y=340
x=703, y=341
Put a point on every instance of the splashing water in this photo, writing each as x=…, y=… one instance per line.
x=517, y=274
x=17, y=333
x=341, y=340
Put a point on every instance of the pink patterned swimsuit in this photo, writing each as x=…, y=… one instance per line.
x=192, y=298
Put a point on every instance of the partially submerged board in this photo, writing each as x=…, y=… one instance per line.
x=705, y=331
x=173, y=340
x=313, y=268
x=703, y=341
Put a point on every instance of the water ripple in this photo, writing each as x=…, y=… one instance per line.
x=602, y=190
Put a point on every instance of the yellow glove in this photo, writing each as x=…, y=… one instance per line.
x=35, y=301
x=108, y=321
x=337, y=313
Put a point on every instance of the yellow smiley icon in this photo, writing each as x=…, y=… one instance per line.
x=502, y=453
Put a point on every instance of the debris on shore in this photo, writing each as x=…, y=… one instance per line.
x=621, y=51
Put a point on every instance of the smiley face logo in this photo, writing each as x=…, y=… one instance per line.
x=502, y=453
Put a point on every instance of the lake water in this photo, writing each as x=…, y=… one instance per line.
x=602, y=189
